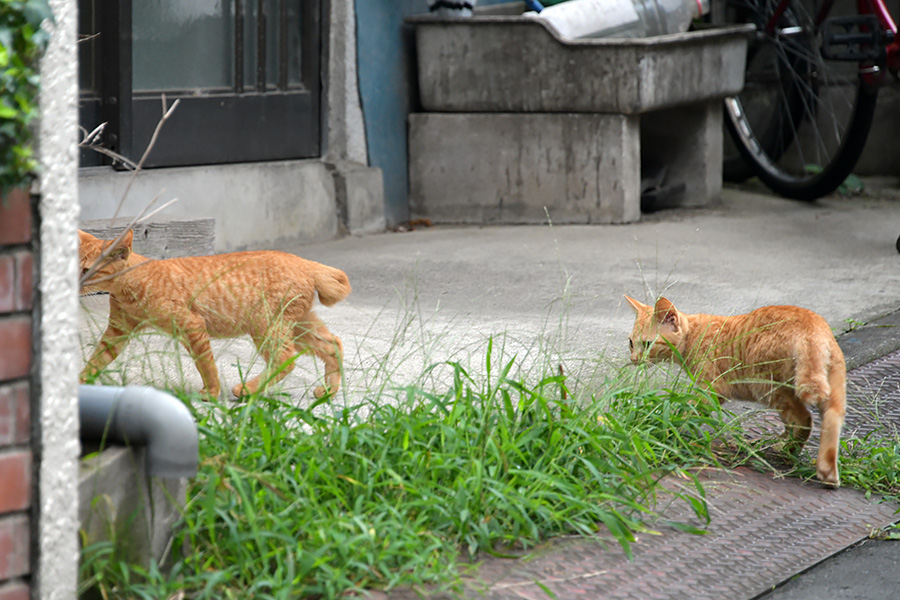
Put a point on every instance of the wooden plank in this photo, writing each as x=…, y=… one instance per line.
x=167, y=239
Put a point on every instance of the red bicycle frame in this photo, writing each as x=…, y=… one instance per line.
x=872, y=73
x=892, y=49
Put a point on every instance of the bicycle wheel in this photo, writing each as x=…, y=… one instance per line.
x=803, y=116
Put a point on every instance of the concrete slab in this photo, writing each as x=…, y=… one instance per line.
x=119, y=502
x=283, y=201
x=523, y=168
x=518, y=168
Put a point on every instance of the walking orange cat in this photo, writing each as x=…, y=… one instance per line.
x=783, y=356
x=267, y=295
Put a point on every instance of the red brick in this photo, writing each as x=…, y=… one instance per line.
x=15, y=590
x=15, y=539
x=15, y=413
x=15, y=347
x=23, y=414
x=15, y=480
x=24, y=280
x=7, y=283
x=7, y=417
x=15, y=218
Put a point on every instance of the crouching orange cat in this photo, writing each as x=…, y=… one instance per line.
x=783, y=356
x=266, y=295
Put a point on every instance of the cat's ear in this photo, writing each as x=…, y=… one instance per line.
x=666, y=313
x=123, y=249
x=637, y=306
x=84, y=237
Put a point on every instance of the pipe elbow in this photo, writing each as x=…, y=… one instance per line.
x=146, y=416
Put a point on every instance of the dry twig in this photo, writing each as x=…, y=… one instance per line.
x=90, y=141
x=166, y=113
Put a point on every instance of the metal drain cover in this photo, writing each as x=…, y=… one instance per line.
x=763, y=530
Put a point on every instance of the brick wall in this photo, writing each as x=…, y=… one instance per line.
x=16, y=301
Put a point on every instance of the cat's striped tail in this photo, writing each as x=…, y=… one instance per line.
x=331, y=284
x=833, y=408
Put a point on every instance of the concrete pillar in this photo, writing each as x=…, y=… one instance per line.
x=55, y=570
x=521, y=167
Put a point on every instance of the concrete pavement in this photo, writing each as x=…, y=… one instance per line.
x=435, y=292
x=867, y=571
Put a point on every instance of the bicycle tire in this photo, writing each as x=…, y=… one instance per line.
x=735, y=168
x=737, y=165
x=802, y=120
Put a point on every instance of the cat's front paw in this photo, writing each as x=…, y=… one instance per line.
x=827, y=470
x=210, y=394
x=322, y=391
x=242, y=390
x=829, y=478
x=787, y=446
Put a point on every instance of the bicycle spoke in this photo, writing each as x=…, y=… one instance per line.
x=801, y=119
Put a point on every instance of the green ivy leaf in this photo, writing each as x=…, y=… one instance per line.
x=22, y=39
x=36, y=12
x=6, y=35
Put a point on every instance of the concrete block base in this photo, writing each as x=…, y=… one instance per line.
x=360, y=197
x=518, y=168
x=507, y=168
x=118, y=502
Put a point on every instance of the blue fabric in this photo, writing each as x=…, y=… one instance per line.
x=387, y=87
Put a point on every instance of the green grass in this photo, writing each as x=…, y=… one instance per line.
x=870, y=464
x=401, y=488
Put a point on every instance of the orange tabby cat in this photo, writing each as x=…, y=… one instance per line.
x=266, y=295
x=783, y=356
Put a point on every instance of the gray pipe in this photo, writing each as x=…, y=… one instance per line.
x=142, y=416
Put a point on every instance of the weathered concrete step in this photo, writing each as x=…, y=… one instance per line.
x=516, y=168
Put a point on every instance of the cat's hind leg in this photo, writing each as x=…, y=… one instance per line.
x=823, y=387
x=797, y=420
x=278, y=350
x=313, y=335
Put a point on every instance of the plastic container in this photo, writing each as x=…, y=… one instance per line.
x=621, y=18
x=451, y=8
